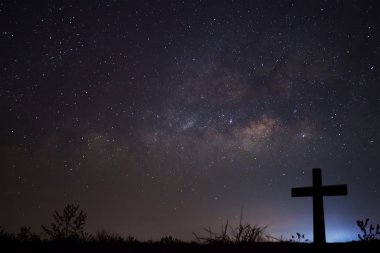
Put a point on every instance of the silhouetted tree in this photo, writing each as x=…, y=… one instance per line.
x=69, y=225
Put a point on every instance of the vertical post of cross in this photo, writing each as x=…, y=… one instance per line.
x=317, y=191
x=318, y=210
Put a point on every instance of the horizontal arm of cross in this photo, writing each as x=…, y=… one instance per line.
x=328, y=190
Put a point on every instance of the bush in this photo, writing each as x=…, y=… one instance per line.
x=170, y=240
x=300, y=238
x=368, y=233
x=26, y=235
x=5, y=236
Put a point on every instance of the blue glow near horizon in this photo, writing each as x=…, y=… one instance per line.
x=336, y=232
x=338, y=235
x=341, y=235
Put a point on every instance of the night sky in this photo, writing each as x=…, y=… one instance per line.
x=163, y=117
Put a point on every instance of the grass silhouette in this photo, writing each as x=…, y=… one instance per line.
x=241, y=234
x=67, y=234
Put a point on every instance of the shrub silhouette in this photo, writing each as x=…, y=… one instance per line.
x=26, y=235
x=243, y=233
x=2, y=232
x=69, y=225
x=5, y=236
x=368, y=234
x=170, y=240
x=299, y=238
x=104, y=237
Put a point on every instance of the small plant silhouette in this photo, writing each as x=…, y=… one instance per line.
x=299, y=238
x=69, y=225
x=368, y=233
x=170, y=240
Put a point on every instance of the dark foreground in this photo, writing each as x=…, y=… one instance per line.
x=280, y=247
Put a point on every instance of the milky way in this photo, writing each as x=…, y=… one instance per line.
x=163, y=117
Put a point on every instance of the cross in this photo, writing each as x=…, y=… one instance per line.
x=317, y=191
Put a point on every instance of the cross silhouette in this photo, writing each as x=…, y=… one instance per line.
x=317, y=191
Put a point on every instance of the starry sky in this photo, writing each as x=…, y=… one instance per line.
x=163, y=117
